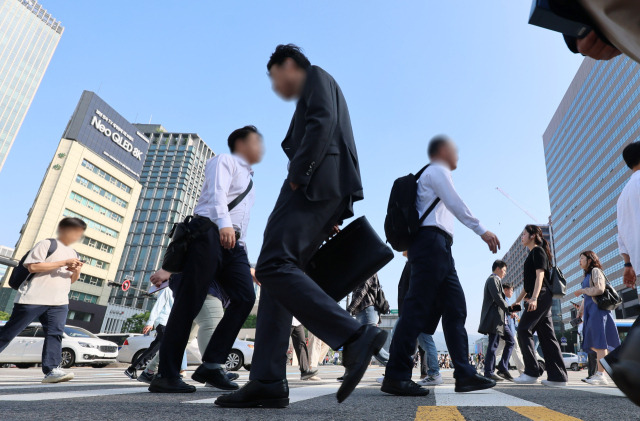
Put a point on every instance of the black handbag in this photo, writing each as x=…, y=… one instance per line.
x=348, y=259
x=558, y=286
x=609, y=300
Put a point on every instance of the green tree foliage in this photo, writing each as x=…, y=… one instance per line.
x=250, y=323
x=4, y=315
x=134, y=324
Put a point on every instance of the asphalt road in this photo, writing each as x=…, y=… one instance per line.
x=106, y=394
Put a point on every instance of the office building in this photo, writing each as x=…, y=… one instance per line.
x=6, y=294
x=598, y=116
x=171, y=179
x=28, y=37
x=94, y=175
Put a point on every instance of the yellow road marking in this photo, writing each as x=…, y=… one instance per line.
x=439, y=413
x=540, y=413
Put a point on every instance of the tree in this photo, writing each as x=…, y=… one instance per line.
x=134, y=324
x=4, y=315
x=250, y=323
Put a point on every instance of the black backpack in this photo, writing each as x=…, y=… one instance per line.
x=402, y=221
x=21, y=274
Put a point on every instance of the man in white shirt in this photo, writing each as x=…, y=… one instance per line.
x=434, y=288
x=217, y=252
x=623, y=363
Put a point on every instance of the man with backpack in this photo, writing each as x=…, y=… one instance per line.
x=43, y=280
x=434, y=289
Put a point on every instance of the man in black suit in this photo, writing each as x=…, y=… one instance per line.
x=322, y=184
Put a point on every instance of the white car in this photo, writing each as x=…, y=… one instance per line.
x=240, y=355
x=79, y=347
x=572, y=361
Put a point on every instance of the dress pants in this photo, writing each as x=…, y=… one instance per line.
x=295, y=230
x=516, y=355
x=492, y=347
x=151, y=352
x=207, y=260
x=434, y=293
x=299, y=342
x=52, y=319
x=540, y=321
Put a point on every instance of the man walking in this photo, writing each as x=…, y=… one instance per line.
x=216, y=252
x=323, y=182
x=493, y=322
x=434, y=289
x=299, y=342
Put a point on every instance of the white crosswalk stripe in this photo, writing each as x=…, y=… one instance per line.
x=71, y=394
x=446, y=396
x=296, y=394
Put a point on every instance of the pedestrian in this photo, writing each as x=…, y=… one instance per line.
x=537, y=314
x=217, y=253
x=494, y=322
x=323, y=182
x=599, y=331
x=299, y=341
x=336, y=358
x=317, y=354
x=430, y=357
x=44, y=294
x=516, y=354
x=434, y=288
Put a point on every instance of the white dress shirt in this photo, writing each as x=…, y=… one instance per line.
x=159, y=314
x=225, y=178
x=434, y=182
x=629, y=221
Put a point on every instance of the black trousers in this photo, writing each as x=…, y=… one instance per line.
x=592, y=365
x=490, y=359
x=299, y=342
x=295, y=230
x=540, y=321
x=207, y=260
x=434, y=293
x=149, y=352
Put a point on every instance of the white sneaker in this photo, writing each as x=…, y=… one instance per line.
x=57, y=375
x=380, y=379
x=525, y=379
x=553, y=384
x=315, y=378
x=597, y=379
x=431, y=381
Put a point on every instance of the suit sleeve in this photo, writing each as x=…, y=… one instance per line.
x=496, y=295
x=320, y=123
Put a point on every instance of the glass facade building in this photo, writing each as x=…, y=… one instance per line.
x=172, y=177
x=28, y=37
x=598, y=116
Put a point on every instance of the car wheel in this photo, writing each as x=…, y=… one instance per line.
x=235, y=359
x=247, y=367
x=68, y=358
x=143, y=364
x=575, y=367
x=23, y=366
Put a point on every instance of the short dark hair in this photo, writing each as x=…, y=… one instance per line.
x=71, y=222
x=436, y=143
x=499, y=264
x=507, y=285
x=285, y=51
x=631, y=154
x=241, y=133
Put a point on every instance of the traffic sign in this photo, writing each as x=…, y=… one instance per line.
x=126, y=285
x=394, y=311
x=563, y=341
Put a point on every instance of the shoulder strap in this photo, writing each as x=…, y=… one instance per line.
x=235, y=202
x=53, y=246
x=433, y=205
x=419, y=173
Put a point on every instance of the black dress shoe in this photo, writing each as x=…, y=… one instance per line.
x=162, y=385
x=257, y=393
x=505, y=375
x=493, y=376
x=356, y=357
x=341, y=378
x=308, y=374
x=475, y=382
x=216, y=377
x=232, y=376
x=403, y=388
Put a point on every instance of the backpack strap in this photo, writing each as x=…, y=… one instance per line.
x=235, y=202
x=53, y=246
x=433, y=205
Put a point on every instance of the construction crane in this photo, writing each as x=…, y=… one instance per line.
x=517, y=204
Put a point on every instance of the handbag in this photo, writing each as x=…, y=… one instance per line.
x=609, y=300
x=558, y=286
x=183, y=233
x=348, y=259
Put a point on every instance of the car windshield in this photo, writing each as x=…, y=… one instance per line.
x=77, y=332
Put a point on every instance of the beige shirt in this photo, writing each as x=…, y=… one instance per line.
x=47, y=288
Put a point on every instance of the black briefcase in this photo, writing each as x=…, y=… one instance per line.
x=348, y=259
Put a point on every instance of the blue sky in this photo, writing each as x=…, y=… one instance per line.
x=473, y=70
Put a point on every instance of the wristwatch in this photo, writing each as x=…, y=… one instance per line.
x=628, y=265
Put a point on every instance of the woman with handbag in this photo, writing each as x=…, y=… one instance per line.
x=599, y=330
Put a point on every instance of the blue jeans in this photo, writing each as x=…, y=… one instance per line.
x=52, y=319
x=369, y=316
x=431, y=354
x=492, y=346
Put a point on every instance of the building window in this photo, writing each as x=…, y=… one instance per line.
x=100, y=264
x=95, y=207
x=80, y=315
x=80, y=296
x=99, y=190
x=98, y=245
x=111, y=179
x=91, y=280
x=92, y=224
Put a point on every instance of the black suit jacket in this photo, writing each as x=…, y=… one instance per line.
x=319, y=143
x=494, y=307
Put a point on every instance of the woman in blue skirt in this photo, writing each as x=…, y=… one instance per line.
x=598, y=330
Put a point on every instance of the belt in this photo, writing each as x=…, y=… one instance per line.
x=440, y=231
x=215, y=225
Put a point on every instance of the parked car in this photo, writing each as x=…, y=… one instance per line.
x=79, y=347
x=573, y=361
x=240, y=355
x=118, y=338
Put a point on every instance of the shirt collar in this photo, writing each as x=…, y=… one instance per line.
x=441, y=163
x=243, y=162
x=493, y=274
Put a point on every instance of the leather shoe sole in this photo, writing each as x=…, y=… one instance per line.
x=157, y=389
x=224, y=384
x=404, y=392
x=258, y=403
